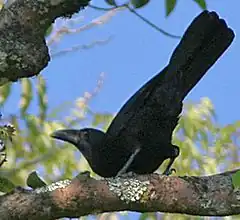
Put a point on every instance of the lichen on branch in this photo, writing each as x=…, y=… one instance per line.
x=203, y=196
x=23, y=24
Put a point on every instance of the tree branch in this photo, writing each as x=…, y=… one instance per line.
x=23, y=24
x=139, y=16
x=205, y=196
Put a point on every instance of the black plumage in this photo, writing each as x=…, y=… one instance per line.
x=139, y=137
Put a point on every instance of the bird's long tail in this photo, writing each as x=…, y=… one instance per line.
x=202, y=44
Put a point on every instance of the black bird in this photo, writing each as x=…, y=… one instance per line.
x=139, y=137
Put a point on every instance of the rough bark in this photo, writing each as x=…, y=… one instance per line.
x=205, y=196
x=23, y=24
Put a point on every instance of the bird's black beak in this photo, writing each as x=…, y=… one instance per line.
x=69, y=135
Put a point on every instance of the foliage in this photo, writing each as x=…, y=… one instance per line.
x=236, y=179
x=169, y=4
x=34, y=181
x=206, y=147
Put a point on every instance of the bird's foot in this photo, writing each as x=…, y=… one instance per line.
x=128, y=163
x=169, y=172
x=83, y=175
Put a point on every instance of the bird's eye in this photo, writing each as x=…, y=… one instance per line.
x=86, y=135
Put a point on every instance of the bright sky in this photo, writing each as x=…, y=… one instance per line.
x=136, y=53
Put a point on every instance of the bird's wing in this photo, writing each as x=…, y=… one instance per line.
x=135, y=102
x=204, y=41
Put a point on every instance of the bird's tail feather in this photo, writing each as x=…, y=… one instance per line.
x=203, y=43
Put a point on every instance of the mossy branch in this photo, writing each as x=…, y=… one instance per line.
x=205, y=196
x=23, y=25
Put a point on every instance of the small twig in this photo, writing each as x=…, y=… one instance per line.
x=80, y=47
x=37, y=160
x=96, y=90
x=64, y=29
x=151, y=24
x=2, y=161
x=101, y=8
x=139, y=16
x=81, y=103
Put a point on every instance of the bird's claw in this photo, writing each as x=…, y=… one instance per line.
x=169, y=172
x=85, y=173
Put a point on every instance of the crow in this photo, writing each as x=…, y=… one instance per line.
x=139, y=138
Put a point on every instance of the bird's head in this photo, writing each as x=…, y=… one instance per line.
x=87, y=140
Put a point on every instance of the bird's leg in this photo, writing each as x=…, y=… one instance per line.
x=173, y=155
x=168, y=171
x=129, y=162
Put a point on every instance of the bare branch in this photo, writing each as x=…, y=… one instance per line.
x=139, y=16
x=64, y=29
x=82, y=103
x=81, y=47
x=23, y=25
x=205, y=196
x=103, y=9
x=152, y=25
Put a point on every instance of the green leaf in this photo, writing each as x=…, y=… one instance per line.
x=148, y=216
x=236, y=179
x=34, y=181
x=202, y=4
x=102, y=119
x=6, y=132
x=170, y=5
x=139, y=3
x=111, y=2
x=188, y=128
x=42, y=97
x=32, y=126
x=26, y=95
x=49, y=31
x=64, y=106
x=5, y=92
x=6, y=185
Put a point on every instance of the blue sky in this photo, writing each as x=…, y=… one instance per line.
x=135, y=54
